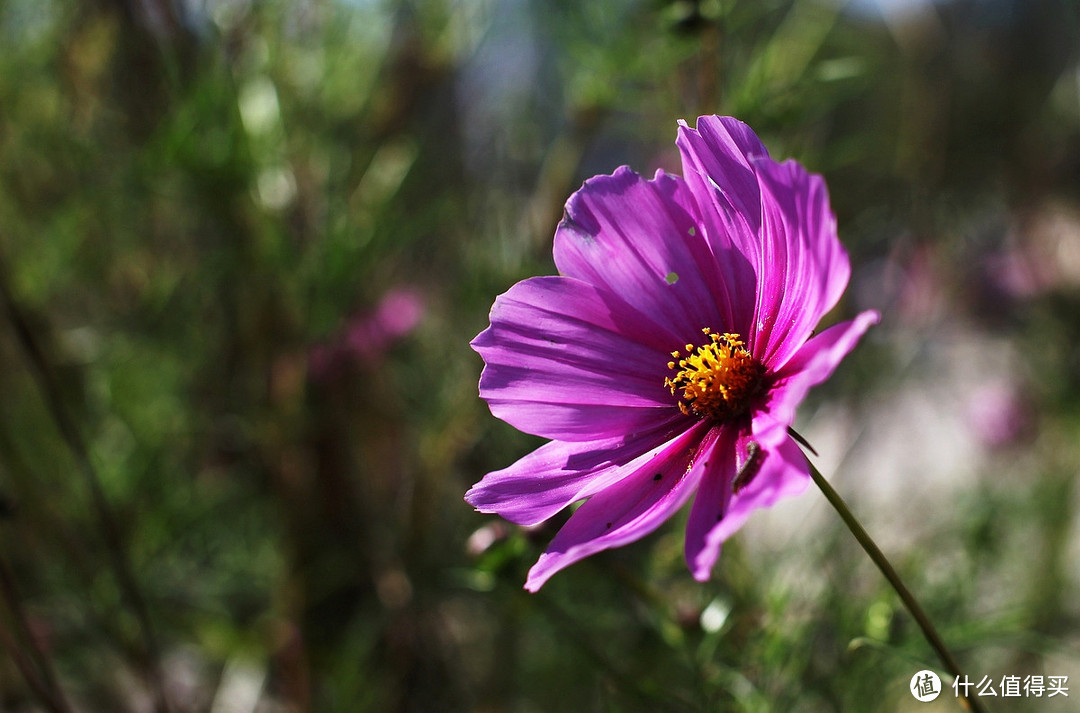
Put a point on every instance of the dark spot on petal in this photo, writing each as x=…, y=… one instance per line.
x=607, y=526
x=658, y=476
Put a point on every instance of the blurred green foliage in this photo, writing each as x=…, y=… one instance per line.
x=203, y=206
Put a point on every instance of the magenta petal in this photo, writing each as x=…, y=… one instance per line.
x=777, y=217
x=802, y=268
x=784, y=472
x=640, y=239
x=568, y=361
x=779, y=470
x=813, y=364
x=628, y=510
x=558, y=474
x=718, y=157
x=711, y=501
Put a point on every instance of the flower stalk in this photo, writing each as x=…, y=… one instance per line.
x=886, y=568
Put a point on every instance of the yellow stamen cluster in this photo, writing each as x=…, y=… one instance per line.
x=716, y=380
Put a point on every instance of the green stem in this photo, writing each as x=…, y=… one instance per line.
x=906, y=596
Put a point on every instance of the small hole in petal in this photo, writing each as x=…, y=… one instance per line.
x=672, y=278
x=692, y=231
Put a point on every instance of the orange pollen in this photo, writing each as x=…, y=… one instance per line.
x=716, y=380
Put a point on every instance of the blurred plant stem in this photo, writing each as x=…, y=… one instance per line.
x=52, y=702
x=886, y=568
x=43, y=681
x=118, y=558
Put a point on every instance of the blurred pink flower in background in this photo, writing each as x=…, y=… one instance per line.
x=365, y=339
x=1000, y=415
x=1016, y=275
x=1041, y=255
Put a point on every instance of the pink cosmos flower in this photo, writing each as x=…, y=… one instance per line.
x=669, y=355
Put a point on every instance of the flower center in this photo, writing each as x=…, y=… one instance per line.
x=716, y=380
